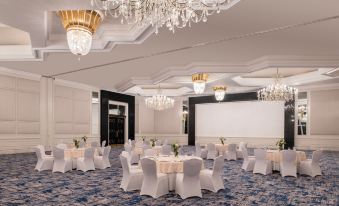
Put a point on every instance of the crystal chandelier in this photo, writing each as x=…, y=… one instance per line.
x=219, y=92
x=171, y=13
x=159, y=102
x=277, y=91
x=80, y=26
x=199, y=82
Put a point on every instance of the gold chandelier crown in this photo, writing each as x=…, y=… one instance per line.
x=200, y=77
x=219, y=88
x=88, y=20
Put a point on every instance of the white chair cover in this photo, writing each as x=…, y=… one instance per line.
x=262, y=165
x=231, y=153
x=131, y=178
x=212, y=179
x=311, y=166
x=158, y=142
x=86, y=163
x=166, y=150
x=211, y=151
x=102, y=162
x=165, y=142
x=239, y=150
x=202, y=153
x=95, y=144
x=134, y=158
x=45, y=162
x=249, y=161
x=154, y=184
x=150, y=153
x=288, y=163
x=61, y=146
x=61, y=164
x=188, y=183
x=103, y=143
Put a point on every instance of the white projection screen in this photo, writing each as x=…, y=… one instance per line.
x=240, y=119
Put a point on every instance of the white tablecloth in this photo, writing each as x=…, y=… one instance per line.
x=275, y=157
x=221, y=148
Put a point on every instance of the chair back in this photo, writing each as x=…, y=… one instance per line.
x=218, y=166
x=58, y=154
x=89, y=154
x=232, y=148
x=211, y=147
x=94, y=144
x=244, y=152
x=158, y=143
x=149, y=168
x=260, y=154
x=150, y=153
x=128, y=148
x=103, y=143
x=288, y=157
x=165, y=142
x=124, y=164
x=166, y=149
x=192, y=169
x=197, y=149
x=106, y=152
x=38, y=151
x=316, y=157
x=61, y=146
x=133, y=143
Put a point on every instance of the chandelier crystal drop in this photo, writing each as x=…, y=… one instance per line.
x=277, y=91
x=170, y=13
x=80, y=26
x=159, y=102
x=199, y=82
x=219, y=92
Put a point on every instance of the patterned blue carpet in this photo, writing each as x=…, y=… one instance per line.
x=21, y=185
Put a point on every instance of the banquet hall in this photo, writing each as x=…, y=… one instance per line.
x=169, y=102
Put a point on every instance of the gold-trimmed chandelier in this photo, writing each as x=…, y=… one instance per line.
x=80, y=26
x=219, y=92
x=199, y=82
x=171, y=13
x=277, y=91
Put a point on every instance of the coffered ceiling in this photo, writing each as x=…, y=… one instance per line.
x=258, y=36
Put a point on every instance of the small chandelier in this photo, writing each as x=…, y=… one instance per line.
x=277, y=91
x=219, y=92
x=199, y=82
x=80, y=26
x=171, y=13
x=159, y=101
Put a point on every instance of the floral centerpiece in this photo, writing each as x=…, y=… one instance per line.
x=281, y=143
x=175, y=148
x=84, y=138
x=76, y=143
x=222, y=140
x=153, y=141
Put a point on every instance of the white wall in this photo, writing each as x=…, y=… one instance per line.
x=36, y=110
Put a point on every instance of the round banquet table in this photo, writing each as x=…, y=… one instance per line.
x=275, y=157
x=221, y=148
x=140, y=150
x=172, y=165
x=74, y=154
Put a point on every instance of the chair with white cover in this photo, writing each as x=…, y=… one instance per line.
x=133, y=142
x=128, y=156
x=166, y=150
x=262, y=165
x=134, y=158
x=146, y=146
x=202, y=153
x=188, y=183
x=131, y=177
x=288, y=163
x=154, y=184
x=165, y=142
x=239, y=150
x=311, y=166
x=45, y=162
x=231, y=153
x=103, y=143
x=86, y=163
x=150, y=153
x=102, y=162
x=249, y=161
x=212, y=179
x=147, y=142
x=61, y=164
x=211, y=151
x=61, y=146
x=158, y=143
x=95, y=144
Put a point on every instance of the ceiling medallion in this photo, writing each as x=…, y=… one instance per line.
x=219, y=92
x=159, y=101
x=171, y=13
x=80, y=26
x=277, y=91
x=199, y=82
